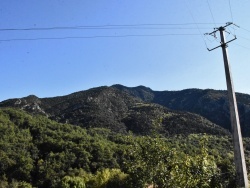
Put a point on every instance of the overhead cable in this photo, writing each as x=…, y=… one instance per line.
x=241, y=46
x=196, y=24
x=245, y=29
x=92, y=37
x=231, y=13
x=211, y=13
x=100, y=26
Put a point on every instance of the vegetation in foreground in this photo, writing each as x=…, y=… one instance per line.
x=38, y=152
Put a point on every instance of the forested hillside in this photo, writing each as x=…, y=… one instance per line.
x=209, y=103
x=119, y=137
x=36, y=151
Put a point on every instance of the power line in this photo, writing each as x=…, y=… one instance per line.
x=92, y=37
x=129, y=26
x=245, y=29
x=231, y=13
x=243, y=37
x=196, y=23
x=229, y=1
x=241, y=46
x=110, y=28
x=211, y=13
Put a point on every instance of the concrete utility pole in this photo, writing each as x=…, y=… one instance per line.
x=239, y=157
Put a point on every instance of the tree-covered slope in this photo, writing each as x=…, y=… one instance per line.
x=211, y=104
x=118, y=137
x=39, y=152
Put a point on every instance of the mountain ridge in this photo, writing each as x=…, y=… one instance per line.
x=209, y=103
x=112, y=108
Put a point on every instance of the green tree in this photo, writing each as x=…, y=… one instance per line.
x=72, y=182
x=108, y=178
x=152, y=162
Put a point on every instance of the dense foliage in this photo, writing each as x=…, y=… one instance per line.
x=38, y=152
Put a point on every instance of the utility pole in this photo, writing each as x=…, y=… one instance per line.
x=239, y=157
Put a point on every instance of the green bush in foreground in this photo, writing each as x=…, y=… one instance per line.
x=152, y=162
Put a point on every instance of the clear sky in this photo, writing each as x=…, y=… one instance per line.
x=129, y=42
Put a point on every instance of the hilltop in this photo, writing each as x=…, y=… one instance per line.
x=122, y=109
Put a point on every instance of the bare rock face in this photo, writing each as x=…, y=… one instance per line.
x=30, y=104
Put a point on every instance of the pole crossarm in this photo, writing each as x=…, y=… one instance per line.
x=218, y=29
x=225, y=44
x=222, y=28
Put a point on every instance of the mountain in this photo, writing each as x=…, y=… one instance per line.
x=211, y=104
x=118, y=108
x=81, y=137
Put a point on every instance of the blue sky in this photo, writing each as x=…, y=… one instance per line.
x=48, y=68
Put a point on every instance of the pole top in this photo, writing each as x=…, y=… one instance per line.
x=221, y=29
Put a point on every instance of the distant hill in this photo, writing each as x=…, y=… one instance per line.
x=121, y=109
x=211, y=104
